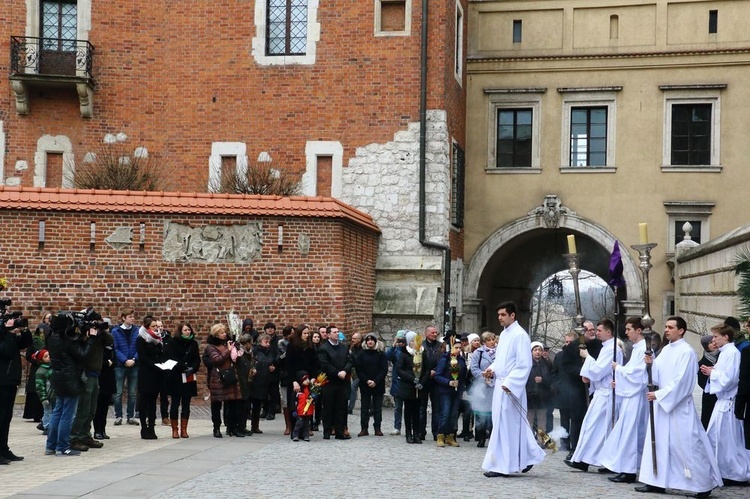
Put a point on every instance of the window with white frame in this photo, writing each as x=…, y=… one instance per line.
x=286, y=32
x=514, y=141
x=458, y=47
x=588, y=128
x=692, y=126
x=698, y=213
x=392, y=17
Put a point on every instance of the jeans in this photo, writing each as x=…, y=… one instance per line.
x=61, y=422
x=81, y=429
x=398, y=411
x=48, y=413
x=121, y=374
x=448, y=413
x=353, y=394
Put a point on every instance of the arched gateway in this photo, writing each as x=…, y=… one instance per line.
x=516, y=258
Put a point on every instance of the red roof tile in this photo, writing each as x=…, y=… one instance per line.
x=37, y=198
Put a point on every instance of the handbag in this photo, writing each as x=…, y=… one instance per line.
x=228, y=376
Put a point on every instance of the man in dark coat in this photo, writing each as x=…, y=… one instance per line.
x=336, y=363
x=68, y=347
x=742, y=400
x=433, y=351
x=572, y=392
x=12, y=341
x=372, y=368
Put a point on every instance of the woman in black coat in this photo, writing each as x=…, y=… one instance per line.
x=264, y=361
x=372, y=368
x=107, y=387
x=150, y=349
x=302, y=366
x=710, y=356
x=32, y=408
x=181, y=380
x=408, y=388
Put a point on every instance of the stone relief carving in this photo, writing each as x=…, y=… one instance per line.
x=121, y=238
x=212, y=243
x=303, y=244
x=551, y=210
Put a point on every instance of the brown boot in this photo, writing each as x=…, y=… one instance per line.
x=183, y=428
x=166, y=422
x=287, y=421
x=173, y=424
x=451, y=440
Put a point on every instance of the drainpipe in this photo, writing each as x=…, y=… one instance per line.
x=422, y=172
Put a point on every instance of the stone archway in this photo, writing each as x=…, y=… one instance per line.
x=592, y=236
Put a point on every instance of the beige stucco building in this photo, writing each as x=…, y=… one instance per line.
x=629, y=112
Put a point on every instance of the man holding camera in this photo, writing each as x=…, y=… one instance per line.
x=12, y=341
x=80, y=436
x=69, y=347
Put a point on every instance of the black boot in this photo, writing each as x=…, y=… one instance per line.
x=217, y=432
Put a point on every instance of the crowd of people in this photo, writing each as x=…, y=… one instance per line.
x=501, y=387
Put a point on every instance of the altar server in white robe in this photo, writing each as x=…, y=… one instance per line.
x=598, y=421
x=684, y=458
x=725, y=432
x=512, y=446
x=623, y=448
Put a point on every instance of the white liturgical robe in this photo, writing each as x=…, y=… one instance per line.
x=725, y=432
x=685, y=459
x=597, y=423
x=623, y=448
x=512, y=446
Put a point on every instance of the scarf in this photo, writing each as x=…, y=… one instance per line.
x=149, y=336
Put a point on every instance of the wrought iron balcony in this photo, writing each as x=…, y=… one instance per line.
x=51, y=57
x=57, y=62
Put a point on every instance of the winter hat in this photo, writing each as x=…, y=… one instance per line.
x=342, y=337
x=535, y=344
x=706, y=339
x=40, y=354
x=371, y=335
x=473, y=336
x=401, y=334
x=410, y=335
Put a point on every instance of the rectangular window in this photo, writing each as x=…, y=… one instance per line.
x=588, y=136
x=59, y=25
x=679, y=234
x=286, y=27
x=517, y=31
x=514, y=138
x=457, y=187
x=713, y=21
x=691, y=134
x=392, y=17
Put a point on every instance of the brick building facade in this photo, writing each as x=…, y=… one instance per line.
x=328, y=90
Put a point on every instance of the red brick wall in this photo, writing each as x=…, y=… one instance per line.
x=334, y=283
x=177, y=76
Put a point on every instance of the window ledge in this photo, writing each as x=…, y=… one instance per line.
x=691, y=169
x=588, y=169
x=511, y=171
x=391, y=33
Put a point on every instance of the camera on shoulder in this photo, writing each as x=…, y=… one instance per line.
x=11, y=320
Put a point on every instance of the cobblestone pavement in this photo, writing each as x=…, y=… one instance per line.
x=203, y=466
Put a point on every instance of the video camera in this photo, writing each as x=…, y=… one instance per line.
x=68, y=322
x=18, y=321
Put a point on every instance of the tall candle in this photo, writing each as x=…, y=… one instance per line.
x=571, y=244
x=643, y=231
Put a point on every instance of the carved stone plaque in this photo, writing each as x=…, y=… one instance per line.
x=121, y=238
x=303, y=244
x=212, y=243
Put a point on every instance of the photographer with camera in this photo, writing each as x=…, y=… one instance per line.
x=80, y=436
x=70, y=343
x=14, y=337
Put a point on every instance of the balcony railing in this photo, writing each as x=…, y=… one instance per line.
x=52, y=57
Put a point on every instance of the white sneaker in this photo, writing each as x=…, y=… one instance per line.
x=396, y=432
x=118, y=421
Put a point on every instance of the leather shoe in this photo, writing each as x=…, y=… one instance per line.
x=493, y=474
x=326, y=435
x=569, y=457
x=727, y=482
x=577, y=465
x=10, y=456
x=4, y=460
x=481, y=442
x=623, y=478
x=217, y=433
x=101, y=436
x=605, y=470
x=701, y=495
x=650, y=488
x=527, y=468
x=363, y=433
x=343, y=437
